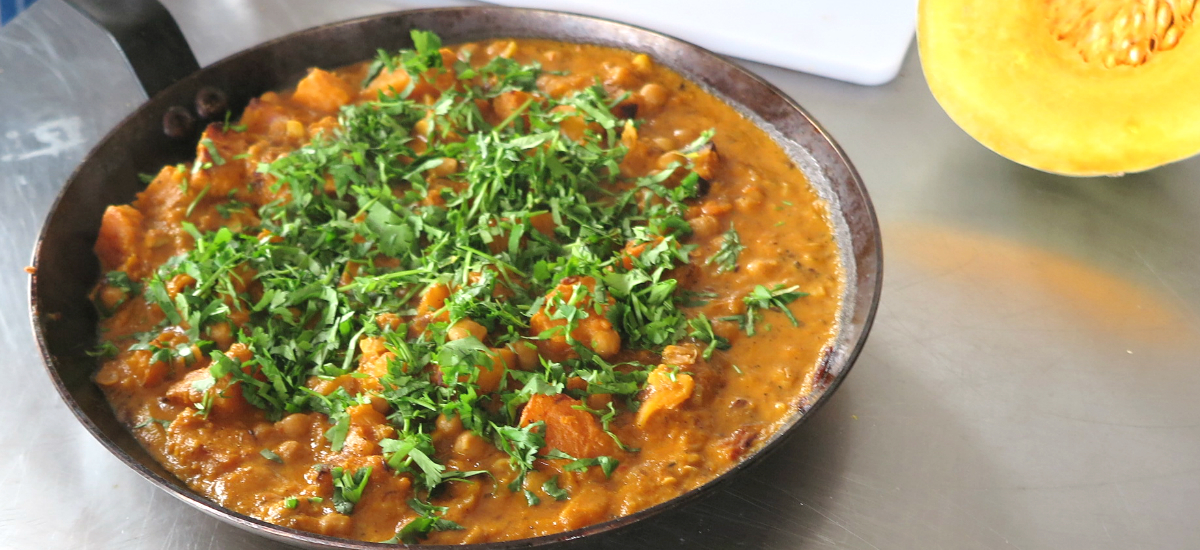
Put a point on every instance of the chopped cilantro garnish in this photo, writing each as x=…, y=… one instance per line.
x=151, y=420
x=551, y=488
x=212, y=151
x=775, y=298
x=348, y=488
x=226, y=126
x=361, y=227
x=726, y=257
x=429, y=518
x=607, y=464
x=702, y=330
x=104, y=349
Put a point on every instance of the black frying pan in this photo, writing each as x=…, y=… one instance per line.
x=64, y=321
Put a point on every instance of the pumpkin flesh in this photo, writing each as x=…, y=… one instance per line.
x=1075, y=87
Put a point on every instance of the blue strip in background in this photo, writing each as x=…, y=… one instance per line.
x=10, y=8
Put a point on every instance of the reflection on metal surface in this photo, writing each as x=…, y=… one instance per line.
x=1045, y=280
x=52, y=138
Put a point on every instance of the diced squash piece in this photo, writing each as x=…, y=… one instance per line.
x=262, y=112
x=491, y=375
x=664, y=391
x=430, y=309
x=373, y=362
x=595, y=331
x=387, y=81
x=570, y=430
x=323, y=91
x=227, y=394
x=120, y=235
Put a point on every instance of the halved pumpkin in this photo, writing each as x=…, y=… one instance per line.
x=1075, y=87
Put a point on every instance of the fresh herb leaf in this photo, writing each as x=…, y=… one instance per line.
x=551, y=488
x=429, y=518
x=104, y=350
x=212, y=151
x=151, y=420
x=348, y=488
x=607, y=464
x=762, y=298
x=726, y=257
x=702, y=330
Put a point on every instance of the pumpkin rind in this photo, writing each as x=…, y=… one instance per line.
x=1005, y=73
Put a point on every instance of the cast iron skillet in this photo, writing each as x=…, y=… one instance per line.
x=63, y=318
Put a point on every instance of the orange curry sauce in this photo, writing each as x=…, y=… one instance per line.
x=696, y=419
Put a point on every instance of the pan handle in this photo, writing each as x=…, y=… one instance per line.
x=148, y=37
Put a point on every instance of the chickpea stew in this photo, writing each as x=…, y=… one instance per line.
x=461, y=294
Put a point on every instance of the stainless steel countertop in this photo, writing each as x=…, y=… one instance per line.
x=1033, y=379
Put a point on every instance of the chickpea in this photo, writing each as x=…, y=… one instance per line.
x=716, y=207
x=466, y=51
x=448, y=425
x=752, y=197
x=419, y=145
x=422, y=127
x=642, y=63
x=262, y=429
x=763, y=267
x=221, y=334
x=620, y=77
x=502, y=48
x=111, y=296
x=601, y=337
x=466, y=328
x=333, y=524
x=527, y=355
x=295, y=129
x=654, y=96
x=704, y=226
x=447, y=167
x=288, y=450
x=469, y=445
x=294, y=426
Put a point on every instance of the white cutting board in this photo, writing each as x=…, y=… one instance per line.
x=859, y=41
